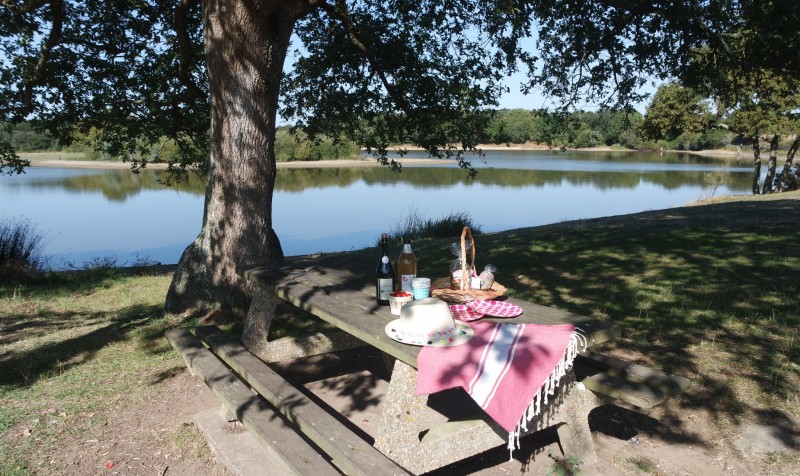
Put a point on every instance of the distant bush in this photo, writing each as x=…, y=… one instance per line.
x=21, y=246
x=295, y=146
x=604, y=127
x=24, y=137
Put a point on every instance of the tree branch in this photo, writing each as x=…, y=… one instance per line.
x=180, y=24
x=340, y=11
x=44, y=54
x=640, y=8
x=24, y=8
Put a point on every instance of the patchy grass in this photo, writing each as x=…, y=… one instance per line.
x=189, y=441
x=71, y=347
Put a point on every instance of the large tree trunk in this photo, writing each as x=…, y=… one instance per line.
x=756, y=166
x=245, y=47
x=772, y=165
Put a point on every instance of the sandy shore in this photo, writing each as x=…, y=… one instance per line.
x=46, y=160
x=311, y=164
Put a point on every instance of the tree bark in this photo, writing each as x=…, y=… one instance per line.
x=783, y=178
x=245, y=46
x=772, y=165
x=756, y=166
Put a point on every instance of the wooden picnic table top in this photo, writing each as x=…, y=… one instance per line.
x=340, y=290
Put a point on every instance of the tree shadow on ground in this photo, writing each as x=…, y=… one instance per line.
x=721, y=275
x=23, y=368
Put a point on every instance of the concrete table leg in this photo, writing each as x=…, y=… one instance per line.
x=403, y=421
x=256, y=330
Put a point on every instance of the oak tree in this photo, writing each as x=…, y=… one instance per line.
x=209, y=75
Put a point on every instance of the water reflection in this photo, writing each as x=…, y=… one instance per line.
x=607, y=170
x=114, y=185
x=91, y=213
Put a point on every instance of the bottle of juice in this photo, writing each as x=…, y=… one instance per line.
x=406, y=266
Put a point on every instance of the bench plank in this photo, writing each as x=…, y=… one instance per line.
x=619, y=388
x=670, y=385
x=294, y=454
x=349, y=452
x=632, y=383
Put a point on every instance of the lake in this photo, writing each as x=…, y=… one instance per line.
x=88, y=214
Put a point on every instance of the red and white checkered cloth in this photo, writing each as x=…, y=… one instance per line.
x=475, y=310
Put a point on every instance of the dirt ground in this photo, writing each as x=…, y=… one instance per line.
x=158, y=436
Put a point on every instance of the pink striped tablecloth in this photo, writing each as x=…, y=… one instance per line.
x=510, y=370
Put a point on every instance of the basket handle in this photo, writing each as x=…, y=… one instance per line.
x=465, y=278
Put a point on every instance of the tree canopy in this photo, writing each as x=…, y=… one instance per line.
x=209, y=76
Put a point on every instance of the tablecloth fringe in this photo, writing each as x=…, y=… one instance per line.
x=577, y=344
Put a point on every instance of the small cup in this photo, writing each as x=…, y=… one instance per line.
x=397, y=302
x=421, y=287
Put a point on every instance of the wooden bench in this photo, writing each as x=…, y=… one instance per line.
x=275, y=412
x=621, y=381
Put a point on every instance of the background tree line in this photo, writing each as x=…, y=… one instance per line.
x=578, y=129
x=290, y=145
x=602, y=128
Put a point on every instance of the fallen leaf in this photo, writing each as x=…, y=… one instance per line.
x=110, y=464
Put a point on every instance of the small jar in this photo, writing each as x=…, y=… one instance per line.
x=421, y=287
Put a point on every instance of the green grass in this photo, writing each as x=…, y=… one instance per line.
x=21, y=245
x=446, y=226
x=70, y=348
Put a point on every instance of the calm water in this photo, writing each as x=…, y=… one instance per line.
x=88, y=214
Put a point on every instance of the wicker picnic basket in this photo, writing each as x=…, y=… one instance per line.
x=450, y=290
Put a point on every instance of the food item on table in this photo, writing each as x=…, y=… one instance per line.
x=398, y=299
x=487, y=276
x=406, y=266
x=384, y=282
x=457, y=281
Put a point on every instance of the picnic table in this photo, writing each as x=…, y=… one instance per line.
x=339, y=289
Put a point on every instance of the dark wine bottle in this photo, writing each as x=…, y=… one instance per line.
x=384, y=282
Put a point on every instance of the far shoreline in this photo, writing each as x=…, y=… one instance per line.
x=45, y=159
x=306, y=164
